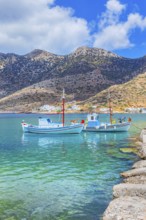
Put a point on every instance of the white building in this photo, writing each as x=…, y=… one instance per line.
x=49, y=108
x=132, y=110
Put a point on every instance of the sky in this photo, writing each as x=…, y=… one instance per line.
x=61, y=26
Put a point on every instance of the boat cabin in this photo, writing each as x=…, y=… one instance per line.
x=93, y=120
x=45, y=122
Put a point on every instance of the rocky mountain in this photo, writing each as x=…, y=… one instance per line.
x=83, y=74
x=126, y=95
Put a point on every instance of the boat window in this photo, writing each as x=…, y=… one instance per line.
x=92, y=117
x=48, y=120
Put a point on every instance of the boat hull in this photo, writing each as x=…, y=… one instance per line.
x=72, y=129
x=109, y=128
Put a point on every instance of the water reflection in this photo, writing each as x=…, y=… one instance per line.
x=90, y=139
x=45, y=140
x=77, y=149
x=93, y=137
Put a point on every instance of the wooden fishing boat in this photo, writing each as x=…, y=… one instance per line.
x=46, y=126
x=52, y=129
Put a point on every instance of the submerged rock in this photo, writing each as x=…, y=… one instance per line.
x=129, y=150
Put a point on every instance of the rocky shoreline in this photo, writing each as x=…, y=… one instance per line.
x=129, y=197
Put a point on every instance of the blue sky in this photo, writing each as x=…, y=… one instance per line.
x=61, y=26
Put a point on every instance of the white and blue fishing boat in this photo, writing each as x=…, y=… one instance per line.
x=46, y=126
x=93, y=124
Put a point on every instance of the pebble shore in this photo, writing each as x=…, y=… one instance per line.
x=129, y=197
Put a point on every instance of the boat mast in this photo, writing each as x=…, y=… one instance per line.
x=63, y=106
x=110, y=107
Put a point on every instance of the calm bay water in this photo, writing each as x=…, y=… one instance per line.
x=66, y=177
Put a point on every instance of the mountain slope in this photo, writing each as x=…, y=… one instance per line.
x=83, y=73
x=130, y=94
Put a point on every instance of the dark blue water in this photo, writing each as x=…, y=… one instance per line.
x=66, y=177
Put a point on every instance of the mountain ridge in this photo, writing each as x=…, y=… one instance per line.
x=83, y=73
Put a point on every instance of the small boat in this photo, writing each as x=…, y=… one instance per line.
x=93, y=123
x=46, y=126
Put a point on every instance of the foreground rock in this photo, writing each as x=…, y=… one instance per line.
x=142, y=152
x=139, y=164
x=136, y=179
x=129, y=189
x=126, y=208
x=135, y=172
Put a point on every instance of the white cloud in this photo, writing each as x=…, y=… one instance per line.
x=113, y=37
x=135, y=21
x=113, y=33
x=40, y=24
x=112, y=14
x=114, y=6
x=29, y=24
x=16, y=10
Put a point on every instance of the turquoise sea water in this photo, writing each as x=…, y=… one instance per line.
x=66, y=177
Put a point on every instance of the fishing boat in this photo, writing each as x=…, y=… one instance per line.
x=46, y=126
x=94, y=124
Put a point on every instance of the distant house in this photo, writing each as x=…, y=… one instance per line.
x=49, y=108
x=132, y=110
